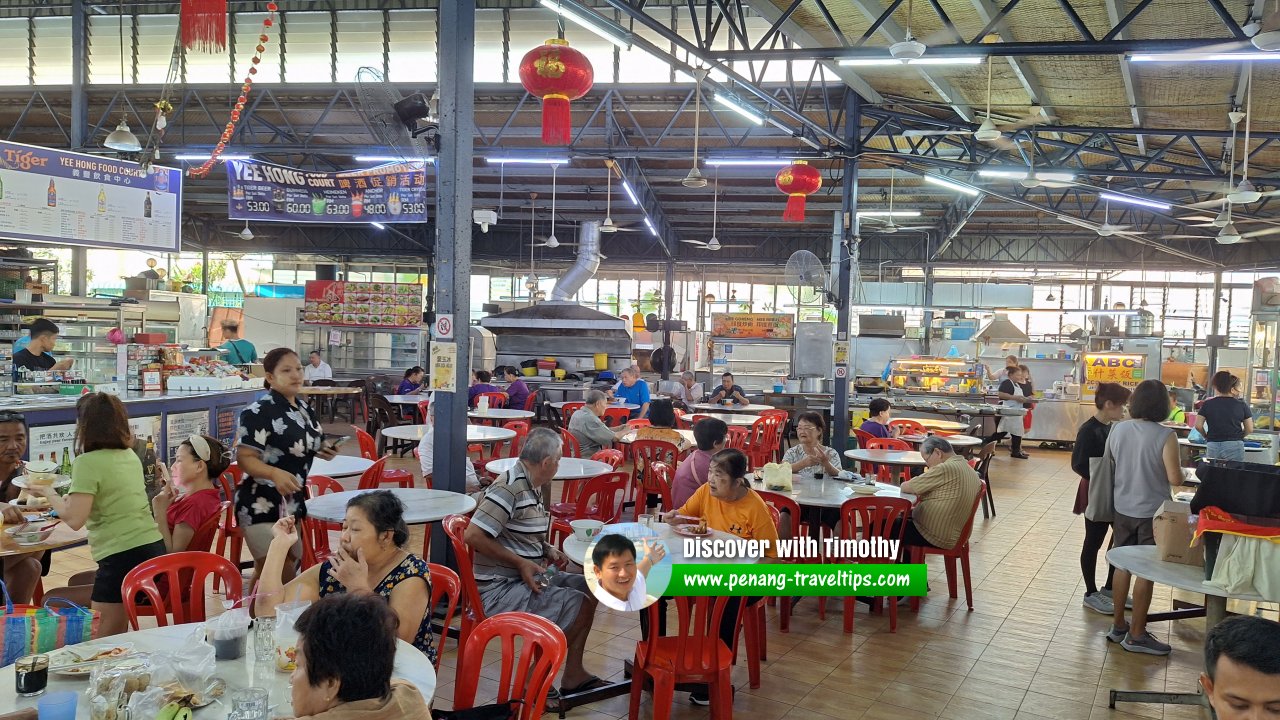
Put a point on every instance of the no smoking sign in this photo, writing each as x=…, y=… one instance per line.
x=444, y=327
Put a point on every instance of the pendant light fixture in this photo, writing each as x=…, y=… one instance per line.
x=122, y=138
x=695, y=179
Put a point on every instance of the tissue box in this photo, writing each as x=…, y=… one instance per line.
x=1173, y=533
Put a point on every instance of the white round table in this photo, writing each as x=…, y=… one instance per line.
x=410, y=665
x=340, y=466
x=421, y=506
x=624, y=406
x=407, y=399
x=830, y=492
x=753, y=408
x=907, y=458
x=944, y=425
x=960, y=442
x=570, y=468
x=475, y=433
x=728, y=418
x=578, y=550
x=500, y=414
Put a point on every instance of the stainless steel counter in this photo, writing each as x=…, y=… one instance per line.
x=1058, y=420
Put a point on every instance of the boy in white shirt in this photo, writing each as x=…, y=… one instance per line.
x=620, y=581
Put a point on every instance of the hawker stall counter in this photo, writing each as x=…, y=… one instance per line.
x=160, y=421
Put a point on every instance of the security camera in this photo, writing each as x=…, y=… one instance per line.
x=485, y=218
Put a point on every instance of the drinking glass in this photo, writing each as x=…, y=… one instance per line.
x=31, y=675
x=264, y=639
x=249, y=704
x=647, y=520
x=58, y=706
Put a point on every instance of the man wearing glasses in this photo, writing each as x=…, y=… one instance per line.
x=21, y=572
x=944, y=496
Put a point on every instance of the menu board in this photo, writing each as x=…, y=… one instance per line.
x=1127, y=370
x=180, y=426
x=393, y=193
x=66, y=198
x=358, y=303
x=758, y=326
x=228, y=419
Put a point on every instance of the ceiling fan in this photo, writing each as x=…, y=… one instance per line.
x=246, y=234
x=608, y=226
x=988, y=131
x=889, y=225
x=695, y=179
x=1244, y=192
x=714, y=243
x=550, y=241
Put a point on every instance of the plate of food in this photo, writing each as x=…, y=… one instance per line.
x=864, y=489
x=698, y=529
x=30, y=502
x=59, y=481
x=80, y=660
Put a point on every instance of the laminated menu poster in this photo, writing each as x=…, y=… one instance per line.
x=333, y=302
x=180, y=426
x=754, y=326
x=393, y=193
x=56, y=443
x=66, y=198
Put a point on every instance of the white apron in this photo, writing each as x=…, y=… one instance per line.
x=1012, y=424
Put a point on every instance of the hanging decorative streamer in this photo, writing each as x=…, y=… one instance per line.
x=230, y=128
x=203, y=25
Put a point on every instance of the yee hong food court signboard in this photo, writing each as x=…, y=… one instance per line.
x=65, y=198
x=392, y=193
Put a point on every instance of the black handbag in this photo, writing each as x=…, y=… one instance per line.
x=509, y=710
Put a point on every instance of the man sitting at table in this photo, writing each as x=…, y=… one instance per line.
x=316, y=369
x=517, y=390
x=427, y=453
x=1242, y=668
x=710, y=434
x=688, y=391
x=634, y=391
x=589, y=429
x=729, y=390
x=22, y=571
x=509, y=534
x=944, y=496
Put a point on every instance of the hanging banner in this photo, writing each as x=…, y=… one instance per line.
x=66, y=198
x=394, y=193
x=756, y=326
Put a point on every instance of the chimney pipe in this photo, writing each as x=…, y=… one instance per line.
x=588, y=262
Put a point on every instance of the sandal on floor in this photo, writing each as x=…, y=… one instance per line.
x=592, y=683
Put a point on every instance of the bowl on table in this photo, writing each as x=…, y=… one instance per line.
x=584, y=530
x=30, y=535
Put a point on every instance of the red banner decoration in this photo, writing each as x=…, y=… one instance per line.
x=558, y=75
x=204, y=25
x=797, y=180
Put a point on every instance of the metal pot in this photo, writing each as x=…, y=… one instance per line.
x=1140, y=324
x=811, y=384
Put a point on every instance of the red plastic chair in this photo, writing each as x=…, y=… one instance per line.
x=369, y=451
x=611, y=456
x=863, y=438
x=681, y=421
x=471, y=612
x=737, y=438
x=521, y=429
x=496, y=399
x=886, y=472
x=422, y=410
x=446, y=587
x=567, y=410
x=909, y=426
x=560, y=531
x=533, y=651
x=639, y=423
x=600, y=498
x=695, y=654
x=318, y=485
x=657, y=481
x=785, y=418
x=780, y=503
x=872, y=519
x=960, y=551
x=616, y=416
x=202, y=538
x=228, y=481
x=888, y=444
x=762, y=440
x=371, y=478
x=180, y=570
x=530, y=402
x=315, y=541
x=571, y=447
x=643, y=454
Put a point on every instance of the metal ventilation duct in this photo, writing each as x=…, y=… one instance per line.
x=585, y=267
x=1000, y=329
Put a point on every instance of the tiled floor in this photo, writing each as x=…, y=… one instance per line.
x=1029, y=650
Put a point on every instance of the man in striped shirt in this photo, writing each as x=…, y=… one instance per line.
x=509, y=535
x=944, y=496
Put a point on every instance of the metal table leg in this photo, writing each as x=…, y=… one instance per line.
x=1215, y=609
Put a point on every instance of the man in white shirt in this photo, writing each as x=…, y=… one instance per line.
x=620, y=580
x=316, y=369
x=688, y=391
x=427, y=454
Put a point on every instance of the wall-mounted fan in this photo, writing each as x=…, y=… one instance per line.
x=405, y=125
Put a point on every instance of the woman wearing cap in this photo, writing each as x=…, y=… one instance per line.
x=181, y=511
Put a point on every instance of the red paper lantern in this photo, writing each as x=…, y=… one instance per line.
x=557, y=74
x=797, y=180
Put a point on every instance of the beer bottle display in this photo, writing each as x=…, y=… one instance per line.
x=102, y=200
x=146, y=206
x=53, y=194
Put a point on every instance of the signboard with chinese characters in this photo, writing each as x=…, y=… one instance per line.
x=66, y=198
x=394, y=193
x=359, y=303
x=753, y=326
x=228, y=424
x=444, y=366
x=180, y=426
x=1127, y=370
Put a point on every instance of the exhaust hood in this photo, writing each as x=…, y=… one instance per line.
x=1000, y=329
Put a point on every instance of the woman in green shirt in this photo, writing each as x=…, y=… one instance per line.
x=109, y=496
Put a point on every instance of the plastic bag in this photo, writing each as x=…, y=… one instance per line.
x=286, y=637
x=112, y=684
x=194, y=663
x=228, y=631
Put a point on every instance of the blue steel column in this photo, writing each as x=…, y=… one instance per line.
x=452, y=266
x=79, y=124
x=843, y=283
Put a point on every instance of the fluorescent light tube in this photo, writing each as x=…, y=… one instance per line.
x=389, y=158
x=886, y=213
x=737, y=106
x=630, y=193
x=527, y=161
x=879, y=62
x=650, y=226
x=951, y=185
x=205, y=156
x=747, y=162
x=1203, y=57
x=378, y=225
x=1135, y=201
x=589, y=20
x=1022, y=174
